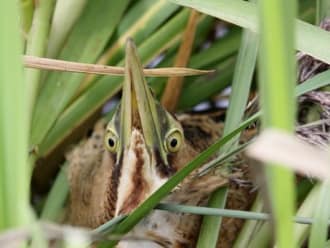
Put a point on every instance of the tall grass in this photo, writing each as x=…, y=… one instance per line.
x=61, y=106
x=277, y=80
x=322, y=10
x=14, y=171
x=242, y=80
x=36, y=45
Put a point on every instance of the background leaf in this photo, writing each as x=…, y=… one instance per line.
x=14, y=197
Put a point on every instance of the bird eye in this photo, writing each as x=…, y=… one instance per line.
x=173, y=140
x=111, y=141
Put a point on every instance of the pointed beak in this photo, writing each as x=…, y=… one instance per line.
x=140, y=135
x=139, y=109
x=143, y=127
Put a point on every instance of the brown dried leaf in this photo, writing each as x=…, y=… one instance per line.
x=68, y=66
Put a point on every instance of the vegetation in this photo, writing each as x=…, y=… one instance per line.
x=43, y=112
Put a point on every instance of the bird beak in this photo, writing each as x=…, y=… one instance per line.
x=140, y=138
x=139, y=108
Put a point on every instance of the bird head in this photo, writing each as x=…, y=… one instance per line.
x=142, y=140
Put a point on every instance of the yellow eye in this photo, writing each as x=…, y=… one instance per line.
x=173, y=140
x=111, y=141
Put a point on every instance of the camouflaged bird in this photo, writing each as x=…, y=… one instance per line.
x=126, y=160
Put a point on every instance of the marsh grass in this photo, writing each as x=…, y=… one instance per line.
x=40, y=110
x=14, y=170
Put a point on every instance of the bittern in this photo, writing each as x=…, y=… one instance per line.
x=128, y=159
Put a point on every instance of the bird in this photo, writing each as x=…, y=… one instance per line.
x=127, y=159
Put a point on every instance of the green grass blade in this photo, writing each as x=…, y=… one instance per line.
x=85, y=43
x=249, y=215
x=307, y=194
x=27, y=8
x=57, y=196
x=77, y=112
x=106, y=227
x=307, y=11
x=306, y=209
x=319, y=232
x=232, y=11
x=242, y=81
x=193, y=93
x=256, y=234
x=322, y=10
x=209, y=232
x=249, y=228
x=65, y=15
x=138, y=26
x=238, y=99
x=277, y=80
x=36, y=45
x=209, y=211
x=318, y=81
x=14, y=172
x=219, y=50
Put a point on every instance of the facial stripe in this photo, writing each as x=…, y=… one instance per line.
x=134, y=158
x=139, y=178
x=140, y=188
x=163, y=170
x=113, y=187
